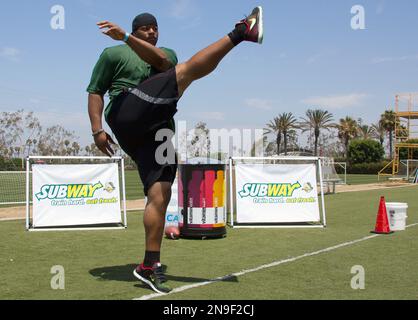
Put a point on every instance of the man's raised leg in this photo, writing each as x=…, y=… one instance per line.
x=206, y=60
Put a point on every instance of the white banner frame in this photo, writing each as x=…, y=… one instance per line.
x=118, y=159
x=232, y=190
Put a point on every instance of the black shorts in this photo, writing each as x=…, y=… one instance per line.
x=137, y=115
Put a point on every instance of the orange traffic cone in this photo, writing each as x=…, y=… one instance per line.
x=382, y=221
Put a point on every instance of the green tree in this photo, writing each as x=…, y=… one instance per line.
x=402, y=132
x=317, y=120
x=55, y=141
x=388, y=121
x=379, y=132
x=365, y=151
x=347, y=130
x=274, y=126
x=287, y=122
x=75, y=148
x=19, y=130
x=366, y=132
x=261, y=144
x=200, y=144
x=292, y=139
x=403, y=153
x=94, y=151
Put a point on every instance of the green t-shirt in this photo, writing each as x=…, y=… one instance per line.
x=120, y=67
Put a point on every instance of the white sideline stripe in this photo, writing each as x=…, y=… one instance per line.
x=265, y=266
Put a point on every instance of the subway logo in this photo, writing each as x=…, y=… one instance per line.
x=69, y=191
x=269, y=189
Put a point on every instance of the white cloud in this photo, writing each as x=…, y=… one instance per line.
x=94, y=17
x=394, y=59
x=260, y=104
x=380, y=8
x=204, y=116
x=321, y=55
x=336, y=101
x=34, y=100
x=314, y=58
x=191, y=24
x=87, y=3
x=9, y=53
x=182, y=9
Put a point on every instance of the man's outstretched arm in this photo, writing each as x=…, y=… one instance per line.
x=101, y=139
x=149, y=53
x=146, y=51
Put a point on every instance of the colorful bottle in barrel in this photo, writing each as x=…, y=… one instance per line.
x=205, y=196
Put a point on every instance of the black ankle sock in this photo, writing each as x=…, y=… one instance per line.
x=151, y=257
x=237, y=35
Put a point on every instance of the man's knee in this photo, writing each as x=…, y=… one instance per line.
x=159, y=194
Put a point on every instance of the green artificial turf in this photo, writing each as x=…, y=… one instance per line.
x=99, y=264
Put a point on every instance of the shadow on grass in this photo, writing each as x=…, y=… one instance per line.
x=192, y=280
x=115, y=273
x=125, y=273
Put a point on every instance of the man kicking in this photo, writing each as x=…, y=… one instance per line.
x=145, y=83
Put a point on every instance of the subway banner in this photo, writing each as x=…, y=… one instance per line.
x=73, y=195
x=276, y=193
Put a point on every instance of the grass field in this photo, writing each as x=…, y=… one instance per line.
x=133, y=185
x=98, y=264
x=353, y=179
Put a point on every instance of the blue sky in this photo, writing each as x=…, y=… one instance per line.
x=311, y=58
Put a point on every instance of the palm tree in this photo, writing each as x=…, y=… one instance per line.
x=317, y=120
x=347, y=130
x=388, y=120
x=292, y=138
x=287, y=122
x=75, y=148
x=402, y=132
x=379, y=132
x=366, y=132
x=274, y=127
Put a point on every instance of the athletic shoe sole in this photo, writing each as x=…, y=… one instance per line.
x=260, y=26
x=148, y=283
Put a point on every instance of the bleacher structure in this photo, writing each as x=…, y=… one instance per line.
x=406, y=129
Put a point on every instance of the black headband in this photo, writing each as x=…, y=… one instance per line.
x=143, y=19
